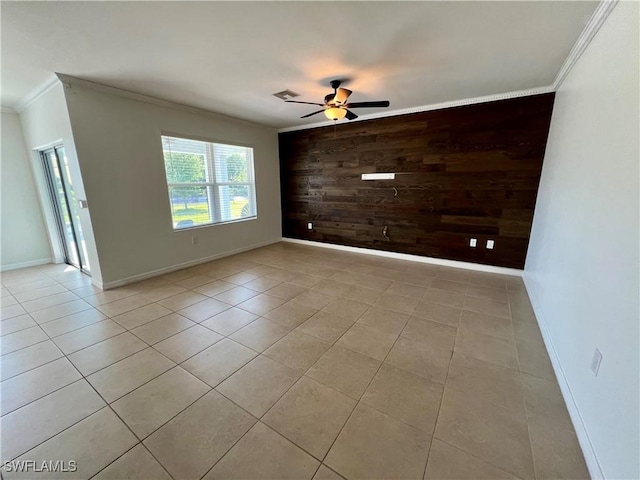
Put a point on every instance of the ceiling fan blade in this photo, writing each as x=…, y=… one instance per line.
x=381, y=103
x=351, y=116
x=314, y=113
x=341, y=95
x=306, y=103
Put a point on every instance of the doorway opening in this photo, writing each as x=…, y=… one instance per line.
x=65, y=207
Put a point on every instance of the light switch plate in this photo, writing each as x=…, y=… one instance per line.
x=473, y=242
x=490, y=244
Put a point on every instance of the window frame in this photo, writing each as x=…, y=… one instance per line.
x=214, y=199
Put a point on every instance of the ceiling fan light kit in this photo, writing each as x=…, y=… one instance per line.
x=335, y=113
x=335, y=106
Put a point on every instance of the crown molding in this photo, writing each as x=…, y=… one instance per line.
x=602, y=11
x=35, y=94
x=600, y=14
x=70, y=82
x=428, y=108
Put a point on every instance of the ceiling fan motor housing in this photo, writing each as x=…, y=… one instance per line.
x=335, y=106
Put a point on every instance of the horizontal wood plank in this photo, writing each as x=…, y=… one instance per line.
x=470, y=171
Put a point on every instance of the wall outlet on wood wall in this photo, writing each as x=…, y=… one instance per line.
x=436, y=178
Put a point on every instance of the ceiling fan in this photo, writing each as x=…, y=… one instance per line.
x=335, y=104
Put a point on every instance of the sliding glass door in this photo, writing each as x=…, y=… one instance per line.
x=65, y=206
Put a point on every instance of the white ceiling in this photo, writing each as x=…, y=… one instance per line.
x=229, y=57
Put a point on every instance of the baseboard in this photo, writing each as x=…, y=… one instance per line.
x=31, y=263
x=412, y=258
x=161, y=271
x=589, y=452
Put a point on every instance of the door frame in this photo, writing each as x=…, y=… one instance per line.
x=57, y=207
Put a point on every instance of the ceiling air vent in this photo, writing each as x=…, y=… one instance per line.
x=286, y=95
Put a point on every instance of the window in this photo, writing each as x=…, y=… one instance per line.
x=208, y=182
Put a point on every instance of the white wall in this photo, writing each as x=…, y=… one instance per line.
x=45, y=122
x=120, y=154
x=23, y=237
x=583, y=263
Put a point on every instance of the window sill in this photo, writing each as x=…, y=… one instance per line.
x=206, y=225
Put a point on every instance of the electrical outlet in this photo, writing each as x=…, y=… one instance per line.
x=473, y=242
x=490, y=244
x=309, y=226
x=596, y=361
x=194, y=240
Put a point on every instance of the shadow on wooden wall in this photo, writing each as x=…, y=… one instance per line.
x=461, y=173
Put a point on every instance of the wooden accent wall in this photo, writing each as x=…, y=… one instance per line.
x=461, y=173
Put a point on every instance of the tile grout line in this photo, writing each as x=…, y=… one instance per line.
x=42, y=296
x=210, y=389
x=38, y=324
x=34, y=368
x=524, y=400
x=473, y=454
x=444, y=388
x=66, y=428
x=107, y=405
x=64, y=356
x=424, y=471
x=307, y=289
x=82, y=377
x=141, y=441
x=359, y=400
x=85, y=378
x=259, y=419
x=26, y=346
x=484, y=460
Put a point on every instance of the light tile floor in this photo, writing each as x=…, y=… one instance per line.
x=283, y=362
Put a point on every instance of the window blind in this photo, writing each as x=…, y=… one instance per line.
x=208, y=182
